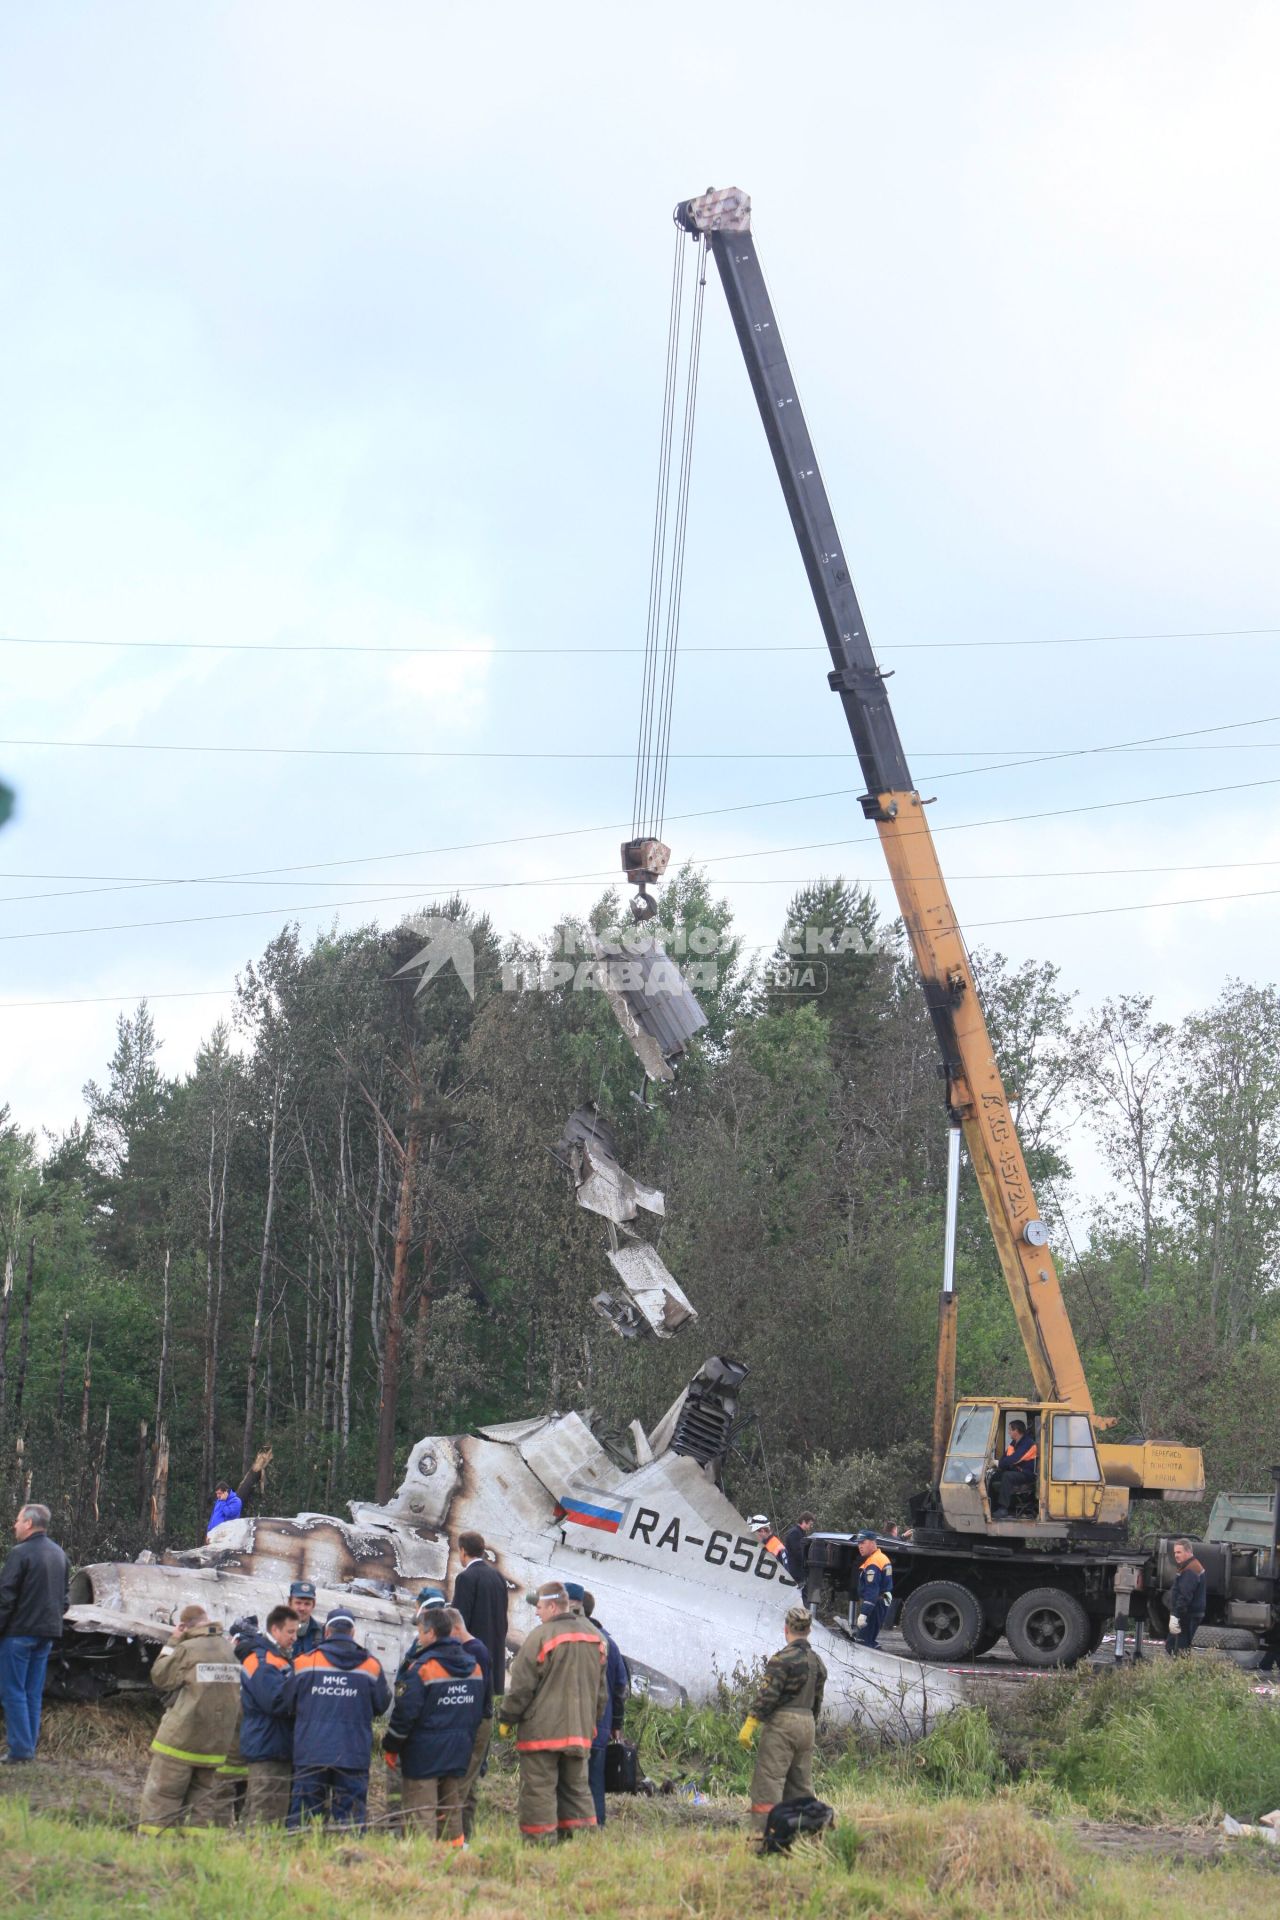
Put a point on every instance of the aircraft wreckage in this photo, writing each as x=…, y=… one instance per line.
x=687, y=1590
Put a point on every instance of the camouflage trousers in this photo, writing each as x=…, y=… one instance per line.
x=555, y=1794
x=178, y=1794
x=470, y=1780
x=267, y=1801
x=433, y=1806
x=784, y=1762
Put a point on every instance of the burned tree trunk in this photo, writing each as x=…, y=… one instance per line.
x=215, y=1244
x=394, y=1322
x=24, y=1341
x=162, y=1370
x=264, y=1263
x=160, y=1484
x=144, y=1457
x=6, y=1307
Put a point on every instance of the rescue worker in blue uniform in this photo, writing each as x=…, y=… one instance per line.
x=334, y=1695
x=302, y=1601
x=266, y=1731
x=874, y=1603
x=1017, y=1469
x=438, y=1709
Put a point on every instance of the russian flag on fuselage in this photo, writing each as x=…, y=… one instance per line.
x=599, y=1511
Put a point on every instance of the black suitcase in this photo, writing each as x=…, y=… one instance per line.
x=621, y=1767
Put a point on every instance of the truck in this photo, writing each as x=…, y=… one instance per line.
x=1059, y=1567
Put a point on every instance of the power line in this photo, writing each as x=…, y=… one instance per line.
x=129, y=883
x=1016, y=920
x=488, y=886
x=429, y=882
x=457, y=846
x=1035, y=757
x=484, y=651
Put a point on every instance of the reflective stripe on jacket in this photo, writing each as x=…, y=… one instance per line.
x=558, y=1688
x=437, y=1713
x=334, y=1695
x=875, y=1581
x=200, y=1677
x=266, y=1731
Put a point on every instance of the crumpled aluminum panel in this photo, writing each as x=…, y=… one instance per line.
x=566, y=1453
x=589, y=1151
x=652, y=1003
x=656, y=1295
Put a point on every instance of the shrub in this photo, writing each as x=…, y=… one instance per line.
x=1182, y=1739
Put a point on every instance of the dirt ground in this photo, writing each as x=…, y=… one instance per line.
x=93, y=1761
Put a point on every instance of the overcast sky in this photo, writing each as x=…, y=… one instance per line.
x=340, y=324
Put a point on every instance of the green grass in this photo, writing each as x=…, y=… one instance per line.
x=995, y=1816
x=1179, y=1740
x=951, y=1860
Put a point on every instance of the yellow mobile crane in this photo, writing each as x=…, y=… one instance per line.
x=1060, y=1565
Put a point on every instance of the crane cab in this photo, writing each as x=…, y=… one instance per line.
x=1065, y=1490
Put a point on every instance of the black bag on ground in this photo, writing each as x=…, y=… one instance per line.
x=790, y=1818
x=621, y=1767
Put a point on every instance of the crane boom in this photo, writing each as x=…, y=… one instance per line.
x=975, y=1091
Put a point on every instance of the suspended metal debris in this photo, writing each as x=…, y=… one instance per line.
x=590, y=1153
x=651, y=1001
x=652, y=1299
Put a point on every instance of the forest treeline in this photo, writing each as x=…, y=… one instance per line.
x=346, y=1227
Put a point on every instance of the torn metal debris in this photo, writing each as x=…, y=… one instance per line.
x=651, y=1001
x=652, y=1300
x=672, y=1563
x=589, y=1151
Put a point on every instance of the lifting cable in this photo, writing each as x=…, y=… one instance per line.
x=666, y=563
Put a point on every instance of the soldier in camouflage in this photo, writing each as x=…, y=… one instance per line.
x=785, y=1711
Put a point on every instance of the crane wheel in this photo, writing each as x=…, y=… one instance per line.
x=1047, y=1627
x=941, y=1621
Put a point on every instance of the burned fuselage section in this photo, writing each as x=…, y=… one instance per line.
x=684, y=1587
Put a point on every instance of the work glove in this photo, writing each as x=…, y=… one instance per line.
x=1175, y=1625
x=748, y=1730
x=505, y=1729
x=861, y=1620
x=392, y=1760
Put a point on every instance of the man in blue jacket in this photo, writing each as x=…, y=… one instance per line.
x=266, y=1731
x=302, y=1601
x=618, y=1681
x=226, y=1506
x=438, y=1709
x=334, y=1695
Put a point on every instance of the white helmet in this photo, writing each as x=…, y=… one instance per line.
x=758, y=1520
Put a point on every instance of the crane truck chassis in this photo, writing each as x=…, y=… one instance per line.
x=1053, y=1573
x=957, y=1599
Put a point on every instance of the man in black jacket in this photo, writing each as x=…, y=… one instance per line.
x=480, y=1596
x=1187, y=1599
x=795, y=1551
x=33, y=1599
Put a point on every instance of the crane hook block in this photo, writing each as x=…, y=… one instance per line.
x=644, y=861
